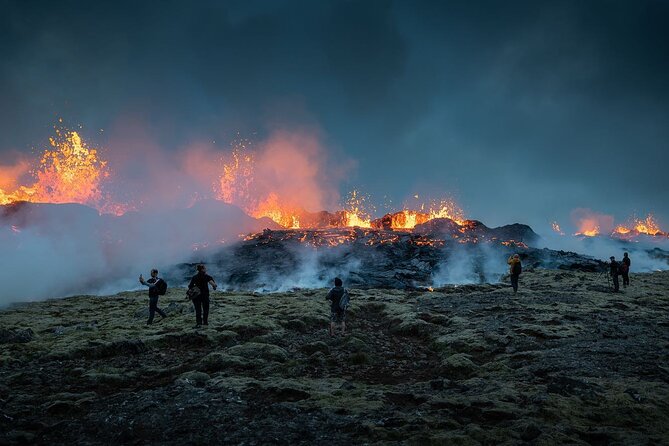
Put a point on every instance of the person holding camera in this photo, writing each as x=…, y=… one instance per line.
x=614, y=271
x=157, y=286
x=198, y=292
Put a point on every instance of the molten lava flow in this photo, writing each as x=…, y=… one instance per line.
x=590, y=223
x=636, y=226
x=622, y=230
x=407, y=219
x=588, y=227
x=590, y=232
x=556, y=228
x=279, y=181
x=647, y=226
x=447, y=209
x=237, y=176
x=283, y=180
x=355, y=211
x=273, y=208
x=71, y=172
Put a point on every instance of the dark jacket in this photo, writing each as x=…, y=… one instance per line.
x=627, y=261
x=334, y=295
x=153, y=286
x=201, y=280
x=614, y=268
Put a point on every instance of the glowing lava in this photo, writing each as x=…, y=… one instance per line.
x=70, y=172
x=636, y=226
x=355, y=212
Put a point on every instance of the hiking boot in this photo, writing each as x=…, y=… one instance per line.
x=197, y=326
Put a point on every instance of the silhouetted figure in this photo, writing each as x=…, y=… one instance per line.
x=615, y=270
x=155, y=284
x=625, y=269
x=515, y=268
x=200, y=299
x=338, y=296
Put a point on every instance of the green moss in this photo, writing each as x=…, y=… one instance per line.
x=251, y=326
x=459, y=366
x=256, y=350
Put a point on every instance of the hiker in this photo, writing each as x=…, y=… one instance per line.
x=338, y=296
x=515, y=268
x=156, y=286
x=198, y=292
x=625, y=269
x=615, y=270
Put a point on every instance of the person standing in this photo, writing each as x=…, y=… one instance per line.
x=201, y=280
x=515, y=268
x=156, y=285
x=614, y=274
x=625, y=269
x=337, y=311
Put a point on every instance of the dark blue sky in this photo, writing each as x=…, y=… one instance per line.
x=522, y=110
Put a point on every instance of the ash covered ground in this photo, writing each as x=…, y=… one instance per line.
x=564, y=361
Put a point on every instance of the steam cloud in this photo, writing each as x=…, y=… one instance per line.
x=50, y=251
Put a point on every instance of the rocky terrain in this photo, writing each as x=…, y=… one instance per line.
x=278, y=260
x=563, y=361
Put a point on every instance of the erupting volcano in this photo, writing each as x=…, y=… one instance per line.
x=70, y=172
x=592, y=224
x=265, y=217
x=281, y=179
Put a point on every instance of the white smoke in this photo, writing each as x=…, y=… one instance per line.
x=464, y=264
x=602, y=248
x=310, y=268
x=62, y=250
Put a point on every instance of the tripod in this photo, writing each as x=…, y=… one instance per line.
x=604, y=272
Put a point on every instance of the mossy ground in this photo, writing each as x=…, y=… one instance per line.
x=564, y=361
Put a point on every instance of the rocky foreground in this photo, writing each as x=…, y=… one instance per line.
x=564, y=361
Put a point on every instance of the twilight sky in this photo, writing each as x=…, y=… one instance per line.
x=521, y=110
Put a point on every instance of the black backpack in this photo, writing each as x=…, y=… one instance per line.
x=344, y=300
x=517, y=268
x=162, y=287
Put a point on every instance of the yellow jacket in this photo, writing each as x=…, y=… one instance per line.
x=512, y=261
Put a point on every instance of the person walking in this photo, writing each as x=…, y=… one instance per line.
x=615, y=270
x=625, y=269
x=338, y=297
x=157, y=286
x=198, y=291
x=515, y=268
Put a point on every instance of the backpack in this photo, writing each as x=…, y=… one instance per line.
x=344, y=300
x=623, y=268
x=162, y=287
x=517, y=268
x=193, y=292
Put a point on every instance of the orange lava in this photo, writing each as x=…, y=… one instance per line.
x=70, y=172
x=636, y=226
